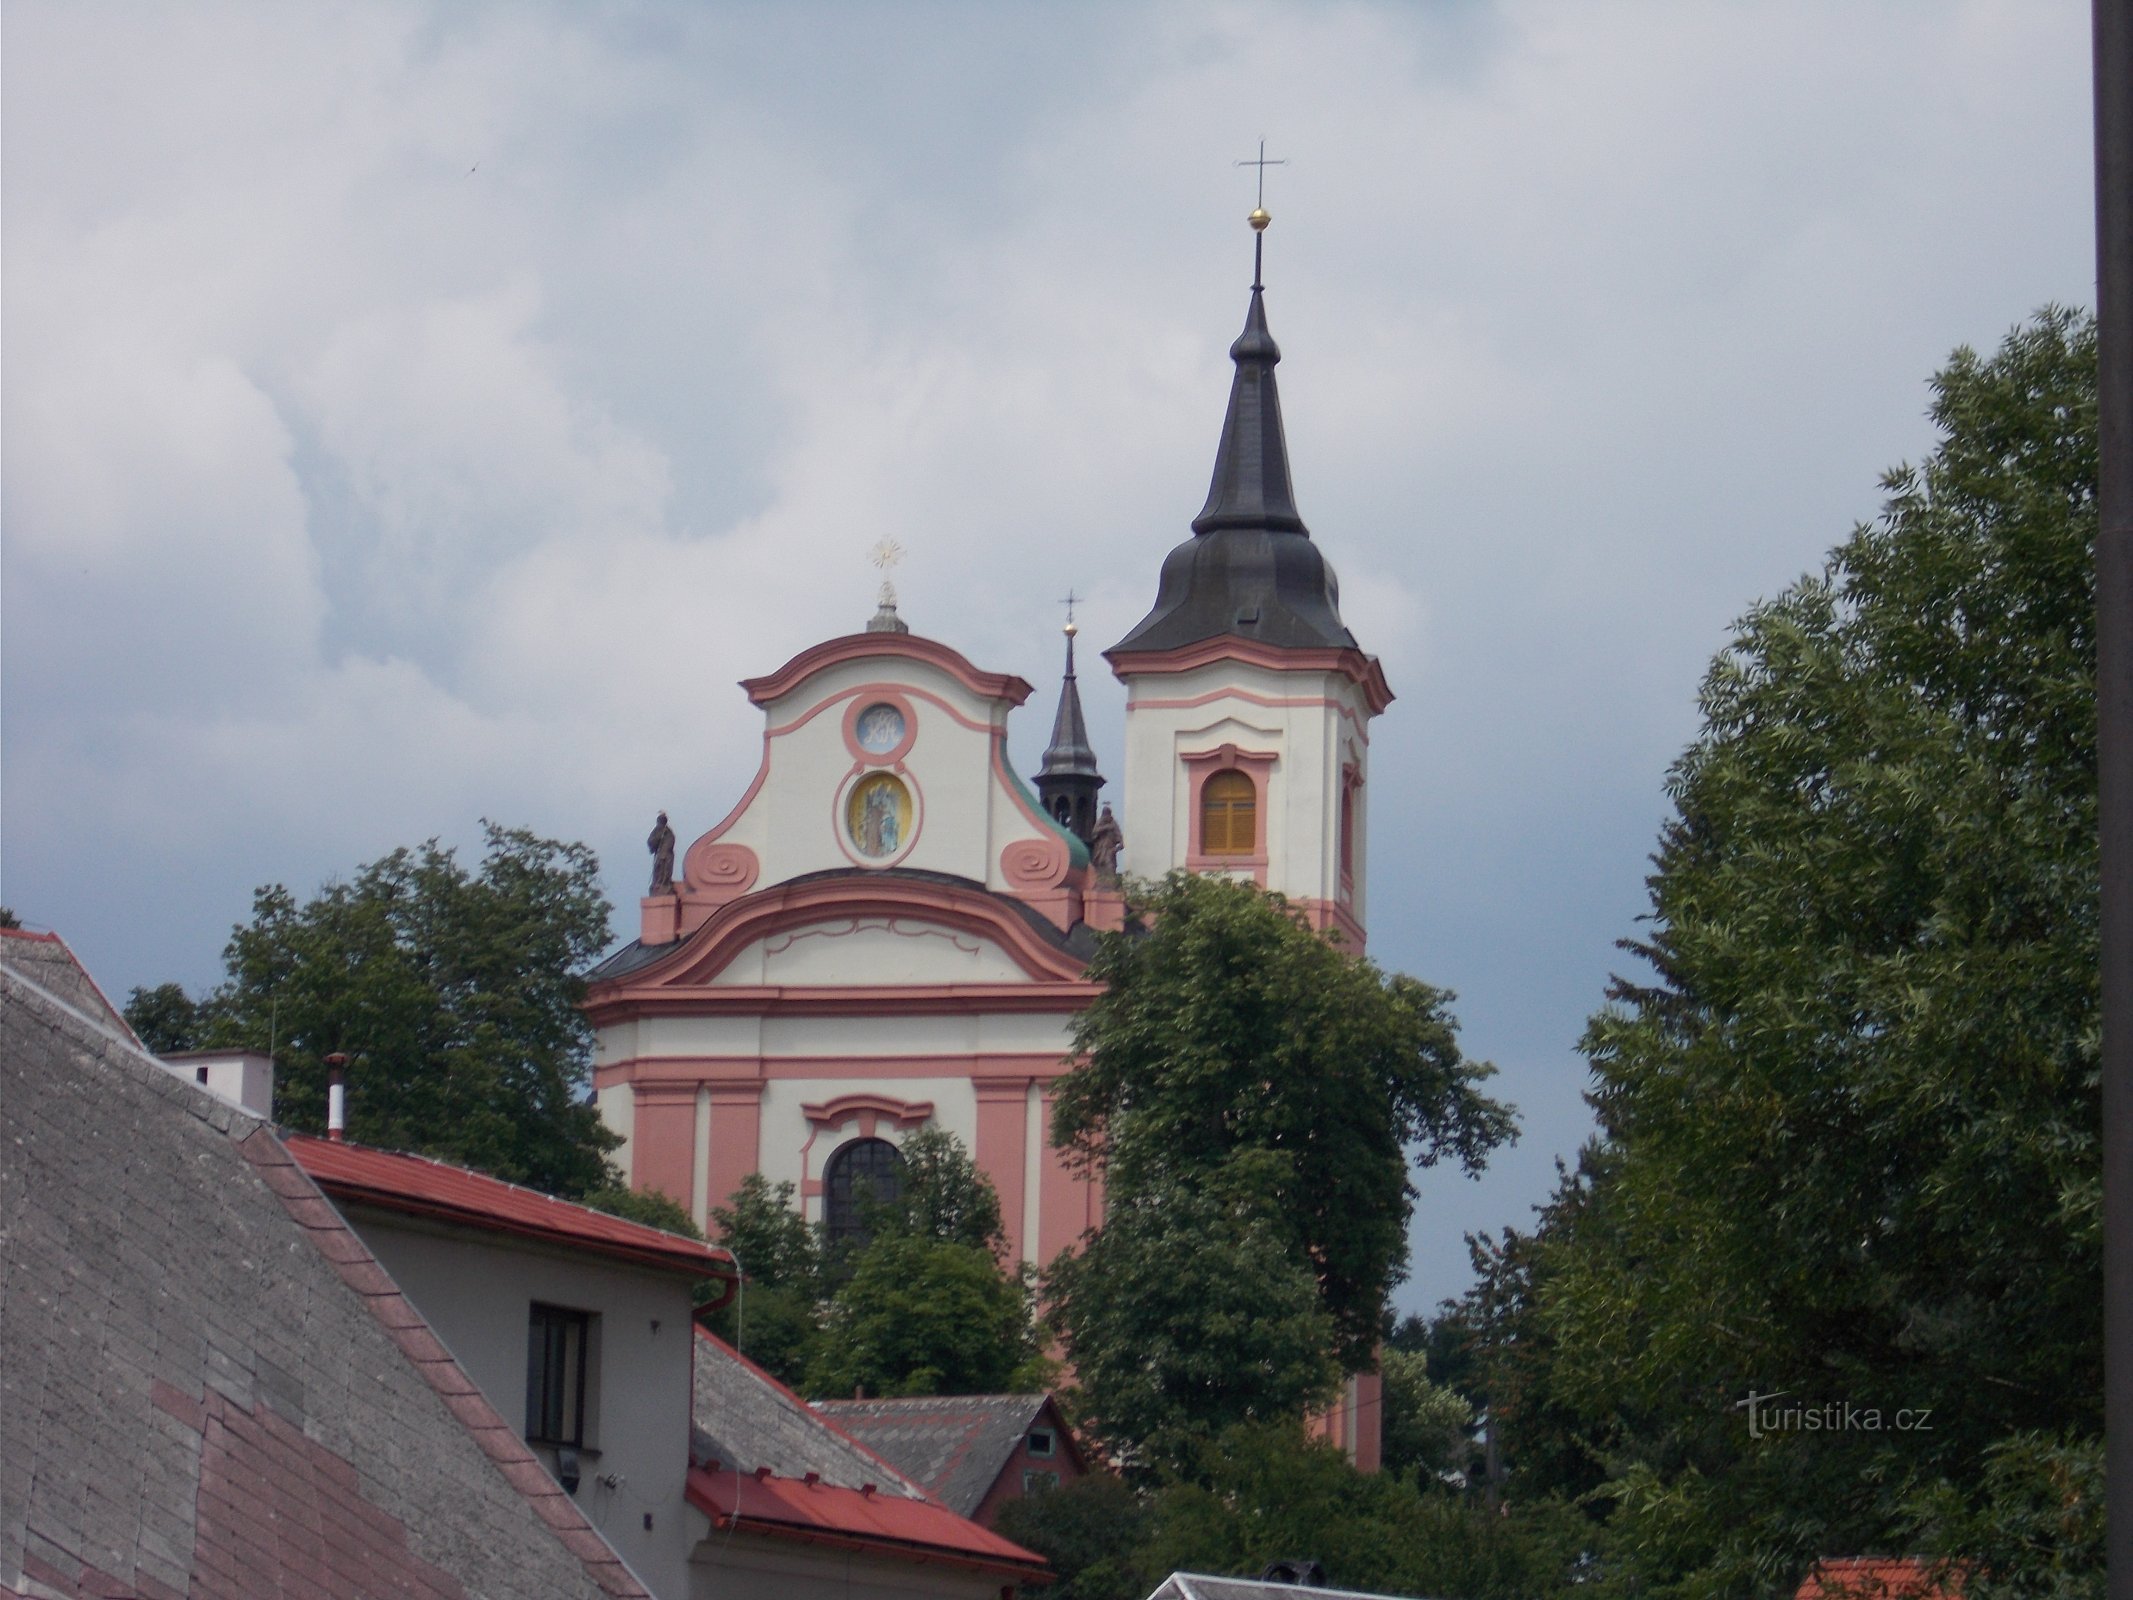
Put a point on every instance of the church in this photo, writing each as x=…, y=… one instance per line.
x=890, y=928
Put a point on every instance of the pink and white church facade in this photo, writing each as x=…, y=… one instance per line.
x=890, y=929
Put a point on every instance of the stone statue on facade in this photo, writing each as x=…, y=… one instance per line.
x=661, y=844
x=1106, y=840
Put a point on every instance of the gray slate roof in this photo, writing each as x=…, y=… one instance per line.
x=953, y=1444
x=45, y=959
x=209, y=1387
x=745, y=1419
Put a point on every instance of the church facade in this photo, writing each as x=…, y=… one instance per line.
x=890, y=929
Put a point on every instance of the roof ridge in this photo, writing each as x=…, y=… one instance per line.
x=411, y=1334
x=124, y=1033
x=807, y=1407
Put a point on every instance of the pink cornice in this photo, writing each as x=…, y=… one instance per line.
x=1364, y=671
x=873, y=646
x=1273, y=701
x=740, y=1079
x=882, y=1107
x=688, y=971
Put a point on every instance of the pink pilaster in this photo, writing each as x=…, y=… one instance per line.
x=1068, y=1204
x=663, y=1142
x=1003, y=1151
x=736, y=1137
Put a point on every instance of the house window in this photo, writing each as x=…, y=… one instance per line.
x=1040, y=1441
x=556, y=1345
x=1229, y=814
x=866, y=1171
x=1035, y=1482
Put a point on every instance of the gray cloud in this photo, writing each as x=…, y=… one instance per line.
x=416, y=413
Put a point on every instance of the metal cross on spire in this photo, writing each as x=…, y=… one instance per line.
x=1262, y=164
x=1260, y=216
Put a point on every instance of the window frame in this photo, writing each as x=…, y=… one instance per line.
x=852, y=1228
x=544, y=1324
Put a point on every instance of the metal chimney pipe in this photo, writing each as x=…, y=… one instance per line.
x=336, y=1096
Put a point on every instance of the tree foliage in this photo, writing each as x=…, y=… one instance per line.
x=1188, y=1314
x=1850, y=1121
x=1230, y=1026
x=922, y=1315
x=164, y=1018
x=1264, y=1492
x=454, y=994
x=942, y=1196
x=924, y=1305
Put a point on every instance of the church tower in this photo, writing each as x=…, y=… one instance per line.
x=1248, y=701
x=1068, y=780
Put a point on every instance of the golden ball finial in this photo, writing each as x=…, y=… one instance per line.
x=1072, y=627
x=1259, y=218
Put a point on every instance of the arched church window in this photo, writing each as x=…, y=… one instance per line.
x=1229, y=814
x=1347, y=830
x=862, y=1172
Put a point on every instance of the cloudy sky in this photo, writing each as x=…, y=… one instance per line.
x=414, y=413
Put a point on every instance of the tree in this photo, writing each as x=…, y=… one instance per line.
x=1426, y=1428
x=455, y=996
x=1187, y=1314
x=943, y=1195
x=1228, y=1026
x=165, y=1018
x=1087, y=1531
x=922, y=1315
x=1850, y=1122
x=774, y=1320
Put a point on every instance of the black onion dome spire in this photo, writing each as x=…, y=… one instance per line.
x=1250, y=568
x=1068, y=780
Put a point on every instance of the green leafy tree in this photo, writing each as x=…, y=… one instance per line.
x=1427, y=1430
x=8, y=919
x=1264, y=1492
x=1189, y=1314
x=1088, y=1532
x=1850, y=1121
x=454, y=994
x=164, y=1018
x=1228, y=1026
x=775, y=1319
x=943, y=1195
x=922, y=1315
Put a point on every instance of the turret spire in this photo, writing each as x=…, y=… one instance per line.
x=1068, y=780
x=1250, y=568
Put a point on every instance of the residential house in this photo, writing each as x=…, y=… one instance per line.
x=974, y=1453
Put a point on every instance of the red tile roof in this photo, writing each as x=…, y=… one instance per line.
x=855, y=1519
x=421, y=1187
x=1880, y=1578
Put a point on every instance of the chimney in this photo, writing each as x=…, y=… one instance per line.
x=336, y=1096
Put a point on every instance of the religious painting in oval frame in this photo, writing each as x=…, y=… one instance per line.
x=877, y=816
